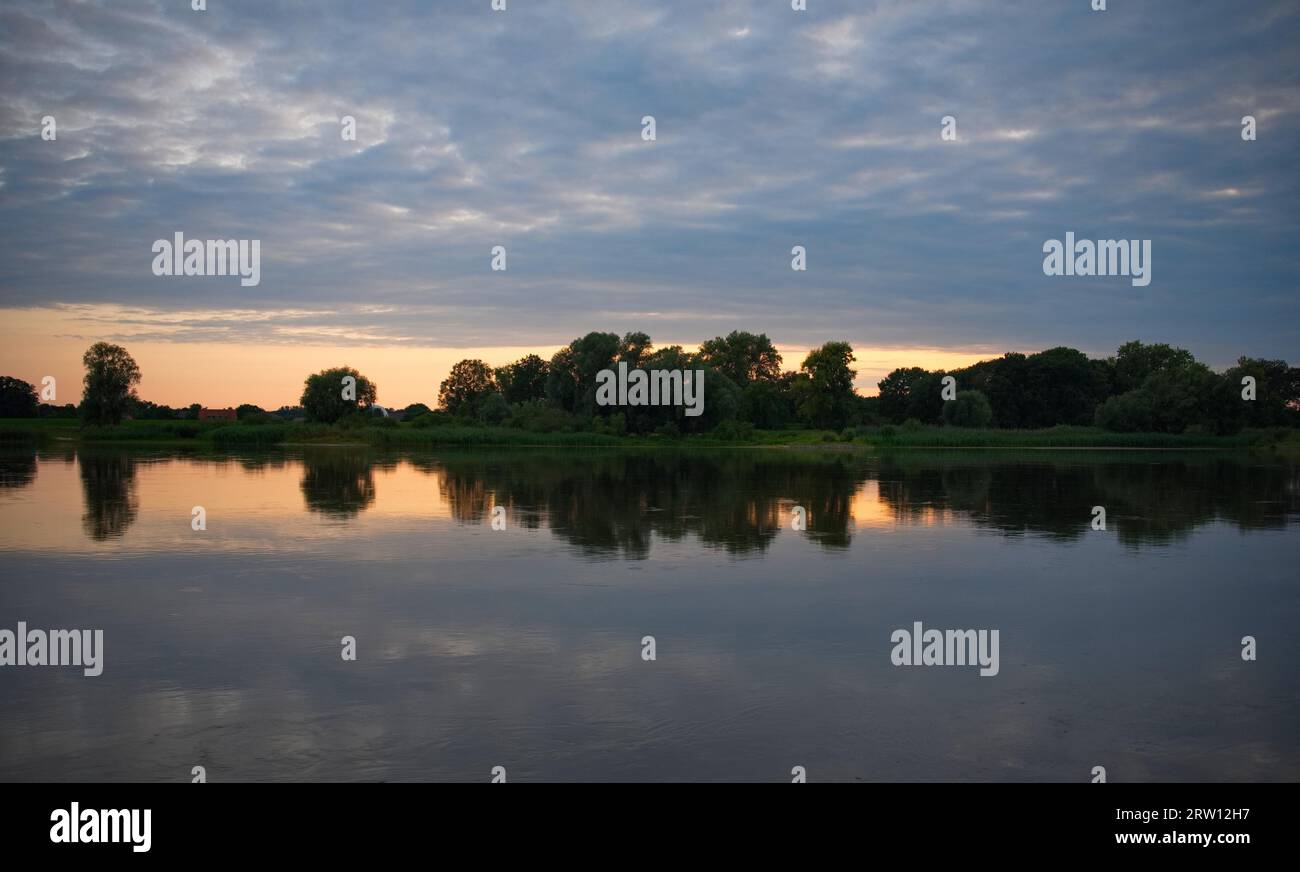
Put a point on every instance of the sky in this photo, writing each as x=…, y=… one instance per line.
x=523, y=129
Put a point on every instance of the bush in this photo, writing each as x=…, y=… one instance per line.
x=436, y=418
x=537, y=416
x=614, y=425
x=1127, y=413
x=248, y=413
x=250, y=434
x=734, y=431
x=668, y=429
x=969, y=409
x=145, y=431
x=494, y=410
x=353, y=420
x=911, y=425
x=1278, y=434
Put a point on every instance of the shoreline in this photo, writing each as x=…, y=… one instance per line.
x=21, y=432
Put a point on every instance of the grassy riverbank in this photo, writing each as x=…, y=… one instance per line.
x=225, y=435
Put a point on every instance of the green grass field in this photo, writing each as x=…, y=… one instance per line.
x=231, y=436
x=1055, y=437
x=22, y=430
x=224, y=435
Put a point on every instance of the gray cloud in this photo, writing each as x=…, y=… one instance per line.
x=775, y=128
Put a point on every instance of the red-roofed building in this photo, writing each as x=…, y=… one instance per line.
x=217, y=415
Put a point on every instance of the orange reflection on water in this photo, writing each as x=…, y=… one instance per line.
x=104, y=501
x=871, y=508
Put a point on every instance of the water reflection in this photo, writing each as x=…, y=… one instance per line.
x=17, y=468
x=523, y=648
x=1149, y=501
x=617, y=504
x=109, y=487
x=338, y=484
x=614, y=504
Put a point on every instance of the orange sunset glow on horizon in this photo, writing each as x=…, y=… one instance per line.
x=218, y=374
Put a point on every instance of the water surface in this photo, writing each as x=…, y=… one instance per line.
x=522, y=647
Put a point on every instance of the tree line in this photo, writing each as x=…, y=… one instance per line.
x=1142, y=388
x=1155, y=388
x=744, y=387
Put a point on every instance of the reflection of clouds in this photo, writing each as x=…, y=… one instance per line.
x=479, y=648
x=453, y=642
x=487, y=659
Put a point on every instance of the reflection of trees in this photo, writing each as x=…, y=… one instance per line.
x=1160, y=503
x=612, y=504
x=260, y=462
x=339, y=484
x=17, y=467
x=1151, y=499
x=616, y=503
x=64, y=452
x=1007, y=496
x=108, y=484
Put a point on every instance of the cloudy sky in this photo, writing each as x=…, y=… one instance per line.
x=522, y=128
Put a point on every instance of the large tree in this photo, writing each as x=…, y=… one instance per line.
x=571, y=382
x=635, y=349
x=466, y=387
x=109, y=386
x=1277, y=391
x=1057, y=386
x=17, y=398
x=897, y=390
x=1136, y=361
x=327, y=396
x=828, y=401
x=1062, y=387
x=742, y=357
x=1174, y=398
x=523, y=380
x=767, y=404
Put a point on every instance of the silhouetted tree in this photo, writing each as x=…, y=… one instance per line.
x=827, y=401
x=327, y=397
x=523, y=380
x=571, y=382
x=742, y=357
x=18, y=399
x=109, y=385
x=465, y=388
